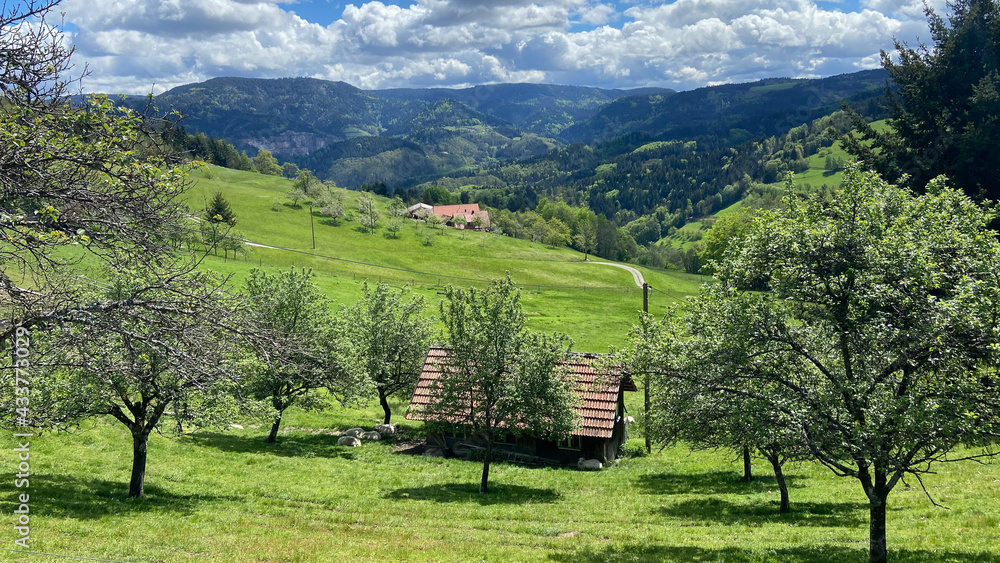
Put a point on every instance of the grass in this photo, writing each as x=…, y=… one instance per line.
x=689, y=234
x=817, y=175
x=594, y=304
x=227, y=495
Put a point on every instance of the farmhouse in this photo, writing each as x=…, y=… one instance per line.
x=461, y=216
x=602, y=429
x=419, y=211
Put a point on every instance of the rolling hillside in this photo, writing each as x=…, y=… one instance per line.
x=425, y=134
x=737, y=112
x=595, y=304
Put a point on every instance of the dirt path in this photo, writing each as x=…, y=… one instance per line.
x=636, y=274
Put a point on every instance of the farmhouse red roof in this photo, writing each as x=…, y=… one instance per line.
x=451, y=210
x=598, y=391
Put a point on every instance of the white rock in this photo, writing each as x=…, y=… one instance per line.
x=589, y=464
x=236, y=426
x=385, y=429
x=348, y=441
x=355, y=432
x=374, y=436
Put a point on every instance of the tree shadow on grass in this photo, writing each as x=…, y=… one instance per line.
x=83, y=498
x=810, y=554
x=711, y=483
x=469, y=493
x=826, y=514
x=288, y=445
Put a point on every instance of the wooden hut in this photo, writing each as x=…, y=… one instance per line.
x=601, y=434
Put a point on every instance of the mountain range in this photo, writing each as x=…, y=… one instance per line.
x=405, y=136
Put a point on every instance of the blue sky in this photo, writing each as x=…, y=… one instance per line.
x=137, y=46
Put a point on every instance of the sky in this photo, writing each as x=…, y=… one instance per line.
x=142, y=46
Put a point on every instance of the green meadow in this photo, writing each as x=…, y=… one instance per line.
x=224, y=494
x=595, y=304
x=228, y=496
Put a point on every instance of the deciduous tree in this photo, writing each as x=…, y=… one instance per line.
x=265, y=163
x=368, y=214
x=877, y=335
x=586, y=237
x=434, y=221
x=184, y=346
x=91, y=177
x=686, y=410
x=332, y=206
x=501, y=377
x=391, y=338
x=396, y=207
x=302, y=359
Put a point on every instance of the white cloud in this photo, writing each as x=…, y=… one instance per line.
x=598, y=14
x=130, y=44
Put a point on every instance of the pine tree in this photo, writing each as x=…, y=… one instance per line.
x=943, y=107
x=219, y=211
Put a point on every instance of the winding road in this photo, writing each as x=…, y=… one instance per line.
x=636, y=274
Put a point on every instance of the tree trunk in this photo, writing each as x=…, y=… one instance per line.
x=747, y=473
x=484, y=483
x=382, y=400
x=273, y=436
x=178, y=417
x=137, y=482
x=645, y=414
x=877, y=551
x=779, y=476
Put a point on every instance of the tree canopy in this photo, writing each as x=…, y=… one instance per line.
x=90, y=177
x=876, y=337
x=391, y=338
x=265, y=163
x=302, y=354
x=219, y=211
x=180, y=351
x=943, y=106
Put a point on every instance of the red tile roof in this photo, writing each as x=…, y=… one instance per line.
x=451, y=210
x=470, y=217
x=597, y=411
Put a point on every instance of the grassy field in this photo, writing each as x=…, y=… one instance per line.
x=594, y=304
x=817, y=175
x=228, y=496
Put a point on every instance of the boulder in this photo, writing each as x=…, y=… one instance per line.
x=385, y=429
x=236, y=426
x=589, y=464
x=348, y=441
x=374, y=436
x=355, y=432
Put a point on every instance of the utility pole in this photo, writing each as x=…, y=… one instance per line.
x=312, y=225
x=645, y=377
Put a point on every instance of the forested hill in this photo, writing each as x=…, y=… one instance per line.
x=297, y=116
x=402, y=137
x=543, y=109
x=741, y=111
